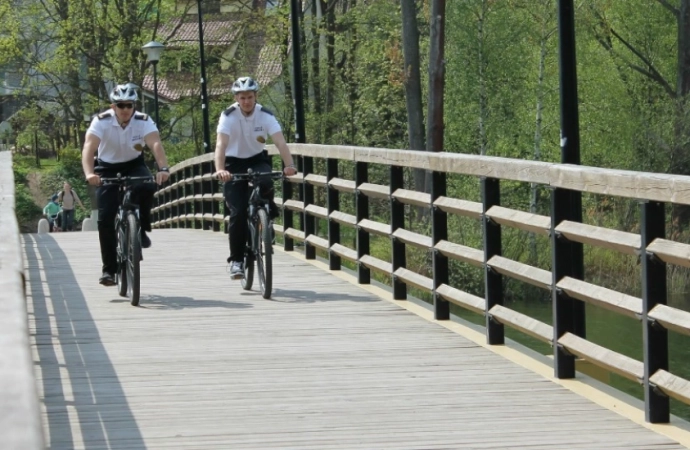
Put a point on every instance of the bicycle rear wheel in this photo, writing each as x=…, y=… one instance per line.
x=133, y=258
x=264, y=254
x=121, y=258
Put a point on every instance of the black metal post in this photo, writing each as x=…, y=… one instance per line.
x=562, y=264
x=208, y=206
x=655, y=337
x=288, y=242
x=333, y=200
x=397, y=221
x=297, y=88
x=439, y=232
x=308, y=221
x=188, y=190
x=155, y=93
x=362, y=212
x=204, y=94
x=493, y=281
x=570, y=142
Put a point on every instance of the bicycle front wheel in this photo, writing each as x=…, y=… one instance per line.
x=133, y=258
x=122, y=244
x=264, y=255
x=248, y=279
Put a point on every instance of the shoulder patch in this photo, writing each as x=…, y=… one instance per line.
x=229, y=110
x=267, y=111
x=105, y=115
x=140, y=116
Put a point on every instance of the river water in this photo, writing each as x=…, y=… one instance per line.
x=613, y=331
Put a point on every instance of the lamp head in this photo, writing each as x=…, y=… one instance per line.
x=153, y=51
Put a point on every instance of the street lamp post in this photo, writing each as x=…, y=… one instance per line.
x=204, y=94
x=153, y=52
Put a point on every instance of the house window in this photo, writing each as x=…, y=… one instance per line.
x=210, y=7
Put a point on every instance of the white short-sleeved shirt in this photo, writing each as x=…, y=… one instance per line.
x=247, y=134
x=120, y=145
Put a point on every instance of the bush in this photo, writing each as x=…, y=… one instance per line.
x=28, y=212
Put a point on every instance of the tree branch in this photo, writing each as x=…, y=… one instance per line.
x=670, y=7
x=652, y=72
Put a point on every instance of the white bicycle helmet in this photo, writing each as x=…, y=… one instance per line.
x=124, y=93
x=244, y=84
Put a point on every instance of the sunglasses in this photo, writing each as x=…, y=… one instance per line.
x=124, y=105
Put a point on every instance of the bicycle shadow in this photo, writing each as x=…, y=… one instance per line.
x=166, y=303
x=310, y=296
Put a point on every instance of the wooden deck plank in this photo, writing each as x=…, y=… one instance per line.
x=203, y=364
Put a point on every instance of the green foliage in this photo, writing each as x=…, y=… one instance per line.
x=26, y=208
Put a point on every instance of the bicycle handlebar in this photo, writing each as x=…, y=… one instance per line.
x=126, y=180
x=250, y=175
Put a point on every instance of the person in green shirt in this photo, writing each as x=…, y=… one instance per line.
x=51, y=211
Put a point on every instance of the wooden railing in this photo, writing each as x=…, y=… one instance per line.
x=20, y=421
x=193, y=199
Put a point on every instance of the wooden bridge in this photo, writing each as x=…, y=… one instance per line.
x=334, y=360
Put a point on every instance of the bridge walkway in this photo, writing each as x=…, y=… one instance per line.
x=324, y=364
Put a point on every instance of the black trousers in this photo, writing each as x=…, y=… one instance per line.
x=236, y=195
x=109, y=200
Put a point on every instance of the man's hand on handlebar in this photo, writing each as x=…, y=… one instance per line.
x=289, y=170
x=162, y=177
x=223, y=175
x=93, y=179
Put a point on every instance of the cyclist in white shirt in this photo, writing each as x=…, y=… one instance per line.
x=119, y=136
x=242, y=132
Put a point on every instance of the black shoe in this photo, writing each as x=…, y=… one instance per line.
x=145, y=240
x=273, y=211
x=107, y=279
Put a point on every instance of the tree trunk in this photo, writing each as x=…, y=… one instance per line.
x=330, y=64
x=436, y=128
x=316, y=69
x=534, y=188
x=413, y=85
x=683, y=83
x=483, y=101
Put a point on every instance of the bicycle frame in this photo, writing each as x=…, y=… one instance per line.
x=256, y=201
x=258, y=217
x=128, y=234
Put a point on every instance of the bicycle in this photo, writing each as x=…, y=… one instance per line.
x=128, y=231
x=260, y=236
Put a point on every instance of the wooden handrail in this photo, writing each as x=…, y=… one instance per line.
x=176, y=201
x=20, y=426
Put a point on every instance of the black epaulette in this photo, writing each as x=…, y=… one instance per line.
x=229, y=110
x=267, y=111
x=105, y=115
x=140, y=116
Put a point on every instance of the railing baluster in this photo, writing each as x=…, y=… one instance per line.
x=564, y=262
x=288, y=218
x=216, y=205
x=179, y=193
x=187, y=189
x=196, y=189
x=397, y=221
x=439, y=232
x=203, y=189
x=362, y=212
x=493, y=281
x=655, y=338
x=308, y=221
x=333, y=201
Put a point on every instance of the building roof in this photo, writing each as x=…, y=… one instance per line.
x=265, y=68
x=270, y=65
x=216, y=33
